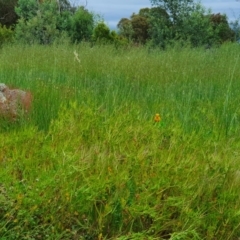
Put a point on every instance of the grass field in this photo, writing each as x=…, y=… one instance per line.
x=89, y=162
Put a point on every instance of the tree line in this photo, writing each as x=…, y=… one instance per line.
x=165, y=23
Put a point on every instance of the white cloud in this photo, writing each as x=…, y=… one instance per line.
x=229, y=7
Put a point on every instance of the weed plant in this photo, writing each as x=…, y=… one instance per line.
x=90, y=162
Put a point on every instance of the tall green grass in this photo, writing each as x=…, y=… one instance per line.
x=90, y=162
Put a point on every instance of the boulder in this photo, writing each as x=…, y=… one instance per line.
x=14, y=102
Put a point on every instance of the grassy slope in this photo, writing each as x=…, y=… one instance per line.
x=90, y=163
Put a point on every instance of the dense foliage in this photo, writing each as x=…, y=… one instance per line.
x=191, y=22
x=81, y=25
x=183, y=21
x=37, y=22
x=8, y=17
x=168, y=22
x=6, y=35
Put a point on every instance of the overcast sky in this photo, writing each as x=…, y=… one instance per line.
x=113, y=10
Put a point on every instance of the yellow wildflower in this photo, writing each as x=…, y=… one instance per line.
x=67, y=195
x=157, y=118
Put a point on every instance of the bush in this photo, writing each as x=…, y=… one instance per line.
x=81, y=25
x=6, y=35
x=102, y=34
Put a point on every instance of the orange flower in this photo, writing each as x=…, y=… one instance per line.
x=157, y=118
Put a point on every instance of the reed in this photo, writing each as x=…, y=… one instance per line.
x=92, y=162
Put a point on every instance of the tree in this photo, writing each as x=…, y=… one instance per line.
x=27, y=9
x=102, y=33
x=125, y=28
x=44, y=21
x=82, y=25
x=222, y=28
x=136, y=28
x=190, y=23
x=160, y=27
x=64, y=5
x=140, y=28
x=171, y=26
x=176, y=9
x=8, y=17
x=37, y=21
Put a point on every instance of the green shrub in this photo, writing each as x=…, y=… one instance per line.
x=102, y=34
x=81, y=25
x=6, y=35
